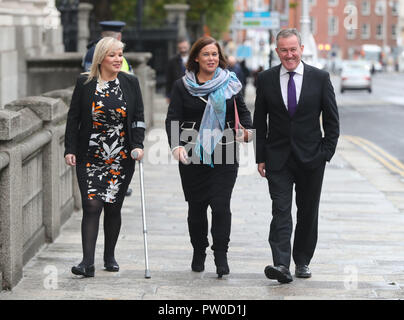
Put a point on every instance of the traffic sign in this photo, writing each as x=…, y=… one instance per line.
x=257, y=20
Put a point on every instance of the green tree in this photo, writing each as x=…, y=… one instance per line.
x=215, y=14
x=124, y=10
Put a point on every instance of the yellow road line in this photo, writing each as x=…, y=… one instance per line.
x=379, y=154
x=397, y=162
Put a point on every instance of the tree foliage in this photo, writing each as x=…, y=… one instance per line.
x=214, y=13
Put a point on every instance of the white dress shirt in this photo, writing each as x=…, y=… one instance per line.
x=298, y=78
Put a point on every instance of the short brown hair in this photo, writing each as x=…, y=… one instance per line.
x=192, y=65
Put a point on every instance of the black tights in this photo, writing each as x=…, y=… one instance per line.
x=89, y=229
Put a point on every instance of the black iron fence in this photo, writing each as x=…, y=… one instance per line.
x=156, y=37
x=68, y=11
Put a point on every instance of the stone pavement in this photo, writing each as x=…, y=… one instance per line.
x=359, y=253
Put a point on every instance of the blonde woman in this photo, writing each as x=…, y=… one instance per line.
x=104, y=124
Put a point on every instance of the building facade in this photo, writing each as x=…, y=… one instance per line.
x=28, y=28
x=256, y=41
x=342, y=27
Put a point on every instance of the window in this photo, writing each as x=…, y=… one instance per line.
x=260, y=6
x=379, y=31
x=313, y=26
x=379, y=7
x=332, y=26
x=332, y=3
x=394, y=31
x=365, y=31
x=395, y=8
x=365, y=7
x=351, y=34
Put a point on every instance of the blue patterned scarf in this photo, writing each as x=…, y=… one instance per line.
x=223, y=86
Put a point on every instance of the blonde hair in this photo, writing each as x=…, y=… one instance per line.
x=101, y=50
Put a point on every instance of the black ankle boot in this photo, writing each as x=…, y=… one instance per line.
x=111, y=265
x=198, y=261
x=222, y=268
x=83, y=270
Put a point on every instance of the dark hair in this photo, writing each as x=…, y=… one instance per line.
x=192, y=65
x=182, y=39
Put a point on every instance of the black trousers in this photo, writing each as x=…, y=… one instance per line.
x=308, y=185
x=221, y=224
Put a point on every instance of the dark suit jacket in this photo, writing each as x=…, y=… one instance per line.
x=279, y=135
x=175, y=70
x=79, y=118
x=186, y=108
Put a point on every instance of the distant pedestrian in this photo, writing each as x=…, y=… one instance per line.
x=245, y=69
x=105, y=123
x=202, y=108
x=291, y=150
x=176, y=65
x=235, y=66
x=109, y=29
x=255, y=75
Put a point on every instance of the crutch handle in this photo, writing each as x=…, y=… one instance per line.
x=134, y=154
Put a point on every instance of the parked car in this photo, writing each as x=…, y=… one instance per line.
x=355, y=75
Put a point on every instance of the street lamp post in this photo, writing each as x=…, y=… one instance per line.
x=139, y=18
x=305, y=31
x=271, y=37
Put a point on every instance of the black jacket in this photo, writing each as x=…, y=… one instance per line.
x=185, y=109
x=279, y=135
x=175, y=70
x=79, y=118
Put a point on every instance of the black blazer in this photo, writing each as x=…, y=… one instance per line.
x=278, y=135
x=175, y=70
x=79, y=118
x=186, y=109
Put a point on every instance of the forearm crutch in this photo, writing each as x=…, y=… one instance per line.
x=146, y=257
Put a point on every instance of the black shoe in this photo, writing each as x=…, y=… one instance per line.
x=111, y=265
x=222, y=268
x=128, y=192
x=302, y=271
x=82, y=270
x=198, y=261
x=280, y=273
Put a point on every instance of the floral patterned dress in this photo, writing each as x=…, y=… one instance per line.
x=108, y=166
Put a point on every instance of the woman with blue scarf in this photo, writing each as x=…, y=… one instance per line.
x=200, y=126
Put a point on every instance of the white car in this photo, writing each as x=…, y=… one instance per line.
x=356, y=76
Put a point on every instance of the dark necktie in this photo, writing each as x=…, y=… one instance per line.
x=292, y=103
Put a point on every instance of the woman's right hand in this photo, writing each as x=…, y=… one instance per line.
x=70, y=159
x=181, y=154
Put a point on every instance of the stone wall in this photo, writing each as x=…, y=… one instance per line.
x=28, y=28
x=37, y=189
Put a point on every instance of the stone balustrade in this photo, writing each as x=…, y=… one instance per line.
x=38, y=192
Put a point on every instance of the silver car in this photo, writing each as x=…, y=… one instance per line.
x=356, y=76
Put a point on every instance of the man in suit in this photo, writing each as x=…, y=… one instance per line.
x=176, y=65
x=291, y=150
